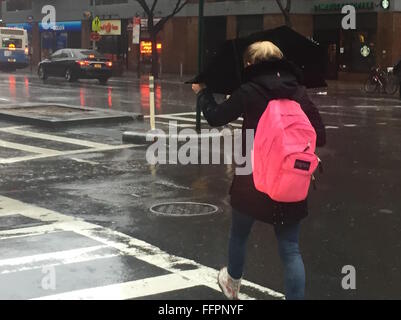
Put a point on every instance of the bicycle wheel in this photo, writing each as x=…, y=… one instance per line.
x=392, y=84
x=371, y=85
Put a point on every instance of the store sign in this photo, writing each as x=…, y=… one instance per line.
x=110, y=28
x=95, y=36
x=146, y=47
x=365, y=51
x=63, y=26
x=385, y=4
x=338, y=6
x=26, y=26
x=96, y=24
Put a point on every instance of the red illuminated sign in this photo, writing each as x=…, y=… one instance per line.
x=146, y=47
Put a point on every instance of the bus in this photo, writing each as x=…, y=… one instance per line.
x=14, y=50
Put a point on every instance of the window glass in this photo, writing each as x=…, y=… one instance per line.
x=10, y=42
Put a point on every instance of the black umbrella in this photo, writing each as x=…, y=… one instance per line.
x=224, y=72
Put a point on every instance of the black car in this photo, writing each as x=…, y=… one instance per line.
x=74, y=64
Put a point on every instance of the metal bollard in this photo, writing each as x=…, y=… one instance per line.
x=152, y=102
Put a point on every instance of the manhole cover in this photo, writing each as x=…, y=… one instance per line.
x=184, y=209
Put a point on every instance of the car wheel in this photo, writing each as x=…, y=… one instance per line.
x=103, y=80
x=42, y=73
x=69, y=75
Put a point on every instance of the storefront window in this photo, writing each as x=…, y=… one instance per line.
x=10, y=42
x=64, y=35
x=359, y=50
x=347, y=50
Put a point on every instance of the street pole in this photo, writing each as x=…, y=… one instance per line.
x=152, y=102
x=200, y=56
x=93, y=17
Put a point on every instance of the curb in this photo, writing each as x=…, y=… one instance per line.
x=99, y=116
x=140, y=137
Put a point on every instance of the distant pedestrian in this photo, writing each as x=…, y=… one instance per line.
x=397, y=72
x=267, y=76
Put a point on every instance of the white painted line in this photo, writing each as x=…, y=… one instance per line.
x=155, y=256
x=367, y=107
x=210, y=275
x=85, y=161
x=128, y=245
x=178, y=118
x=54, y=138
x=175, y=114
x=66, y=153
x=332, y=127
x=236, y=125
x=60, y=257
x=12, y=206
x=31, y=231
x=31, y=149
x=351, y=125
x=127, y=290
x=40, y=230
x=176, y=125
x=12, y=128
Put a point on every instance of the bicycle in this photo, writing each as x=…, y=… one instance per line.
x=381, y=81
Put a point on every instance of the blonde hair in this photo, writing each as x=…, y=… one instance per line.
x=261, y=51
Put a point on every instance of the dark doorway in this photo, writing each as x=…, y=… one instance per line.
x=214, y=36
x=329, y=40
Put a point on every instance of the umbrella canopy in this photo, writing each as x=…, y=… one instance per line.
x=224, y=72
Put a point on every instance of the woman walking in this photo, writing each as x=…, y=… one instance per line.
x=267, y=76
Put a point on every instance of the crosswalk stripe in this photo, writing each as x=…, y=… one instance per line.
x=43, y=136
x=39, y=230
x=64, y=153
x=27, y=148
x=178, y=118
x=127, y=290
x=155, y=256
x=51, y=258
x=178, y=125
x=127, y=245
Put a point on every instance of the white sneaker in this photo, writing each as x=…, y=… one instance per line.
x=228, y=285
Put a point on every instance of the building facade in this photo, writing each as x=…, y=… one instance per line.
x=350, y=53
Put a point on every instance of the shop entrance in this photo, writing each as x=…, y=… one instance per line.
x=214, y=36
x=62, y=35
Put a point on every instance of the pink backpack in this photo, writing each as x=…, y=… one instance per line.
x=283, y=156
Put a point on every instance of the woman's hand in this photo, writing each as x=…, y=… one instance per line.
x=198, y=87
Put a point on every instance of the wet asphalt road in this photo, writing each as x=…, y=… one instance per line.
x=354, y=215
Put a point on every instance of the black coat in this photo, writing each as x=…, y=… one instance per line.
x=397, y=69
x=263, y=82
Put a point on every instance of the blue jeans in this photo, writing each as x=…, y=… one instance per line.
x=287, y=237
